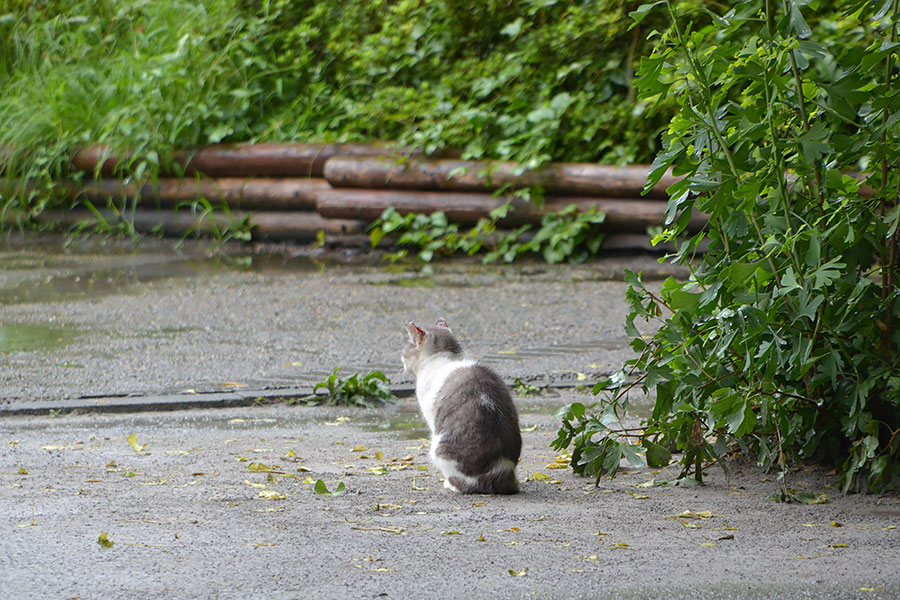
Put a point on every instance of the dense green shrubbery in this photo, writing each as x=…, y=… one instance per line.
x=528, y=81
x=785, y=341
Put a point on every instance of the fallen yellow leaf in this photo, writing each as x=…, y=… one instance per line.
x=688, y=514
x=358, y=449
x=563, y=461
x=538, y=476
x=271, y=495
x=104, y=541
x=132, y=441
x=518, y=573
x=261, y=468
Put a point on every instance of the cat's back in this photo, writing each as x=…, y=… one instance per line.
x=475, y=405
x=473, y=382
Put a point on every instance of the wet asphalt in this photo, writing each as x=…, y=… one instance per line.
x=106, y=490
x=109, y=324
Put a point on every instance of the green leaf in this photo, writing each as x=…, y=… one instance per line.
x=375, y=236
x=797, y=22
x=642, y=11
x=514, y=28
x=812, y=143
x=538, y=115
x=322, y=490
x=632, y=455
x=828, y=273
x=687, y=301
x=657, y=456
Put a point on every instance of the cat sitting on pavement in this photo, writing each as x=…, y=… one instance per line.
x=475, y=439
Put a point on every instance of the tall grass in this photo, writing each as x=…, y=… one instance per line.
x=141, y=77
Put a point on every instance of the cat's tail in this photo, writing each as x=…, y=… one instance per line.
x=501, y=480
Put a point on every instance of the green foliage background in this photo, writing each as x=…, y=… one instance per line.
x=785, y=340
x=530, y=81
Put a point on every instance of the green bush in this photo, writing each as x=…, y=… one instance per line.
x=565, y=235
x=784, y=341
x=528, y=81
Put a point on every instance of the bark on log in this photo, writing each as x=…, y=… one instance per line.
x=297, y=226
x=249, y=194
x=577, y=179
x=240, y=160
x=622, y=215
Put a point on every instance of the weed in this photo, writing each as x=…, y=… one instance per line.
x=368, y=391
x=526, y=390
x=566, y=235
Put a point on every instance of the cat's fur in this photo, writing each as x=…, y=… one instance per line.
x=475, y=439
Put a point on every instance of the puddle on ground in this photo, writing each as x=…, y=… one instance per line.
x=401, y=419
x=52, y=274
x=22, y=337
x=82, y=283
x=35, y=271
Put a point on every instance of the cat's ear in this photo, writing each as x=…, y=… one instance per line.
x=416, y=334
x=442, y=324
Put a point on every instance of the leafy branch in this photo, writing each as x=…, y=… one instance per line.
x=783, y=339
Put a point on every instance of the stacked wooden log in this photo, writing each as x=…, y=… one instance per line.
x=293, y=191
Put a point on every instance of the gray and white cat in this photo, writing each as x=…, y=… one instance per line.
x=475, y=439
